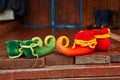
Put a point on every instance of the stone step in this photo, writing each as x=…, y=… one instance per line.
x=63, y=71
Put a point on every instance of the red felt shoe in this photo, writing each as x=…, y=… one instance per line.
x=84, y=43
x=102, y=37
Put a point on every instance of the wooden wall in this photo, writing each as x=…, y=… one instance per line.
x=39, y=12
x=67, y=11
x=90, y=5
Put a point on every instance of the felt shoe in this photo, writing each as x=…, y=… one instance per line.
x=103, y=39
x=84, y=43
x=31, y=48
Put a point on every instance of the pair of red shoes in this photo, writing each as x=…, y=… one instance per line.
x=85, y=42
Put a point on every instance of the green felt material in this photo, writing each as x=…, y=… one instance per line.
x=13, y=48
x=28, y=48
x=49, y=46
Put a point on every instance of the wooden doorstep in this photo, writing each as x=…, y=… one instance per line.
x=21, y=63
x=115, y=36
x=63, y=71
x=57, y=70
x=94, y=58
x=55, y=58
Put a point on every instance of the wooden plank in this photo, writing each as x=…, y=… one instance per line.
x=93, y=58
x=21, y=63
x=39, y=13
x=114, y=51
x=63, y=71
x=87, y=78
x=57, y=58
x=66, y=11
x=115, y=36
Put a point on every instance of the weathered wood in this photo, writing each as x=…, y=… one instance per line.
x=63, y=71
x=115, y=36
x=114, y=56
x=114, y=50
x=22, y=63
x=67, y=11
x=58, y=59
x=93, y=58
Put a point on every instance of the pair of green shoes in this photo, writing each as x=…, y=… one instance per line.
x=30, y=48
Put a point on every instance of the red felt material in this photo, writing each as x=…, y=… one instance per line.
x=100, y=31
x=85, y=35
x=102, y=43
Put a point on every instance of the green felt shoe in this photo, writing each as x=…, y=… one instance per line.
x=31, y=48
x=13, y=48
x=34, y=48
x=28, y=47
x=50, y=43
